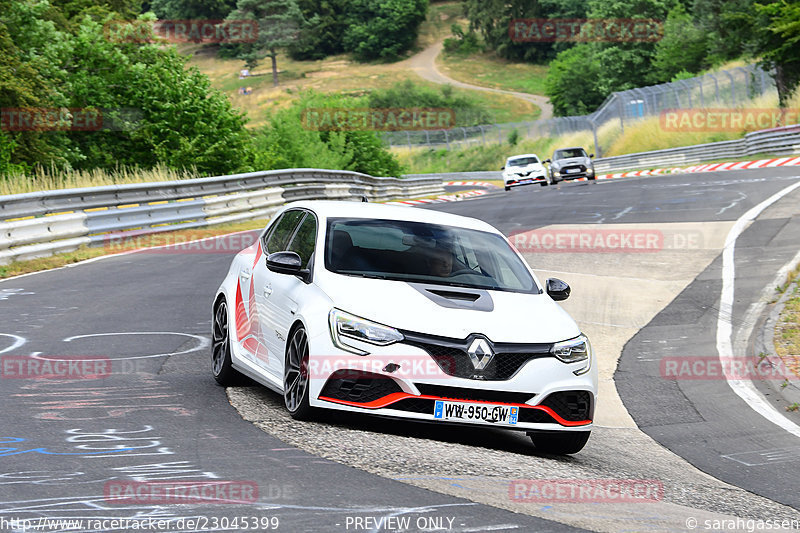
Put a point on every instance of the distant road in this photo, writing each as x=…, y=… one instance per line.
x=424, y=64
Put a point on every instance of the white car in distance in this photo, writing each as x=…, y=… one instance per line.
x=404, y=313
x=525, y=169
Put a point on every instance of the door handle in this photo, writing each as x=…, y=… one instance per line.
x=267, y=289
x=245, y=274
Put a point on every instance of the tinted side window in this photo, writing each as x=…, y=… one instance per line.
x=304, y=239
x=284, y=227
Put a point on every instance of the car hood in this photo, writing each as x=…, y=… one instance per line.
x=573, y=161
x=516, y=317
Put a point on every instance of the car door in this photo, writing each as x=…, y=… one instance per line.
x=275, y=240
x=287, y=290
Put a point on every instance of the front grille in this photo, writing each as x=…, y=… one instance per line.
x=534, y=416
x=414, y=405
x=357, y=386
x=460, y=393
x=581, y=168
x=451, y=356
x=573, y=406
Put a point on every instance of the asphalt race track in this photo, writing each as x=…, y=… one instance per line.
x=155, y=414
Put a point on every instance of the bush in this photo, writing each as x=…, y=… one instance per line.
x=286, y=143
x=407, y=94
x=464, y=43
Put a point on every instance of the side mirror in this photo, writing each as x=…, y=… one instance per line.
x=502, y=168
x=591, y=155
x=284, y=263
x=547, y=161
x=557, y=290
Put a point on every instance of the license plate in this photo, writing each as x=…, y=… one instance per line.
x=572, y=170
x=476, y=412
x=526, y=180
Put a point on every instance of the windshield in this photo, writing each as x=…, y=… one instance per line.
x=425, y=253
x=522, y=161
x=569, y=152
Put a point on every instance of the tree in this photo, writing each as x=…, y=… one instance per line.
x=728, y=25
x=164, y=113
x=491, y=18
x=778, y=43
x=279, y=22
x=383, y=29
x=193, y=9
x=286, y=143
x=321, y=34
x=682, y=49
x=573, y=81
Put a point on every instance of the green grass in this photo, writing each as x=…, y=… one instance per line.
x=787, y=329
x=488, y=70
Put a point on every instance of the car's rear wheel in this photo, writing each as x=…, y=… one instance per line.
x=559, y=442
x=295, y=376
x=221, y=366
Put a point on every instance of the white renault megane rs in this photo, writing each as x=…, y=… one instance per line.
x=404, y=313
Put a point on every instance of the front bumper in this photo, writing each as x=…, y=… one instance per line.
x=405, y=381
x=518, y=181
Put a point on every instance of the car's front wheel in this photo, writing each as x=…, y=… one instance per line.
x=295, y=376
x=559, y=442
x=221, y=366
x=508, y=188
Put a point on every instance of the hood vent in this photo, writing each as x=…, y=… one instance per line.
x=456, y=298
x=453, y=295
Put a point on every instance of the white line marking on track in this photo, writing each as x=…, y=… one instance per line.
x=18, y=341
x=743, y=388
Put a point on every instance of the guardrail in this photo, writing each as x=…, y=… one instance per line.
x=776, y=141
x=43, y=223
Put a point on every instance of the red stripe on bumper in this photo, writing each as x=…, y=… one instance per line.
x=397, y=396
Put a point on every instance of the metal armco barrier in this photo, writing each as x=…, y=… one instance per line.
x=776, y=141
x=43, y=223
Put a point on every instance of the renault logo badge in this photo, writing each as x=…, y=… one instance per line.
x=480, y=353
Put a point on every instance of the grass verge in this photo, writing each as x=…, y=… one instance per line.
x=787, y=329
x=488, y=70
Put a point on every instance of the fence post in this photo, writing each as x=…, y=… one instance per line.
x=447, y=140
x=597, y=151
x=408, y=139
x=483, y=136
x=733, y=86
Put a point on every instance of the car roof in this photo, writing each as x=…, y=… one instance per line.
x=571, y=148
x=343, y=209
x=521, y=155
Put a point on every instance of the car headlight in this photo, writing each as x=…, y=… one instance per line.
x=589, y=170
x=556, y=173
x=345, y=326
x=574, y=351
